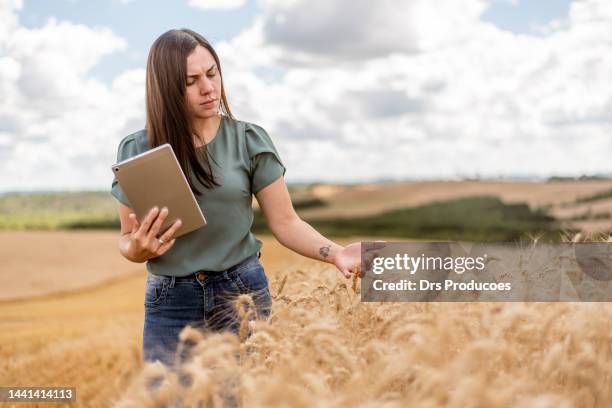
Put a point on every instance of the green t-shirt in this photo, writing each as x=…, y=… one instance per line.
x=243, y=160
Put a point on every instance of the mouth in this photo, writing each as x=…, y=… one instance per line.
x=208, y=103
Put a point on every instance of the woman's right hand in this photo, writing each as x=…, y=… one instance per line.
x=143, y=241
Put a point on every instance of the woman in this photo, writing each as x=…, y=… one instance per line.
x=193, y=279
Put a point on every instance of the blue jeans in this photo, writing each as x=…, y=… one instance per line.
x=204, y=300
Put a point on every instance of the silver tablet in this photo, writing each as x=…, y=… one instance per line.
x=155, y=178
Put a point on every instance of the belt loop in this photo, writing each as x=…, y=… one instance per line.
x=172, y=280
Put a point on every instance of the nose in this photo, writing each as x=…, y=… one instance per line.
x=206, y=86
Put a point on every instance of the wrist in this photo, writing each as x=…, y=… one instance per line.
x=328, y=253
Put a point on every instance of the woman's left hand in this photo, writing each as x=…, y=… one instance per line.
x=348, y=260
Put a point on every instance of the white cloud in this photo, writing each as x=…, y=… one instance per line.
x=360, y=30
x=59, y=128
x=8, y=18
x=216, y=4
x=434, y=95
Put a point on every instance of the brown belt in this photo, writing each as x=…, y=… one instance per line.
x=202, y=275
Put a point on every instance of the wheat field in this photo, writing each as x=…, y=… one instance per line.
x=321, y=347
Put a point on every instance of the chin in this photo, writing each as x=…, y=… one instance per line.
x=206, y=113
x=211, y=111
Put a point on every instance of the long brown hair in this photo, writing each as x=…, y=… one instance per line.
x=167, y=118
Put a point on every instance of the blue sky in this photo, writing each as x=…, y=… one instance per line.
x=521, y=16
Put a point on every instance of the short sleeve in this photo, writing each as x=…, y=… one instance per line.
x=266, y=165
x=127, y=148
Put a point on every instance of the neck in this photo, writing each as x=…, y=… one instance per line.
x=205, y=128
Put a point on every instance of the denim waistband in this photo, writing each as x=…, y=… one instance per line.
x=212, y=276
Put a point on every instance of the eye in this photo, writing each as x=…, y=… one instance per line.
x=212, y=74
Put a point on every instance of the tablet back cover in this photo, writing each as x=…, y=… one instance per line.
x=155, y=178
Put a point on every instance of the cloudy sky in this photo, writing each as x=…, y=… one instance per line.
x=349, y=91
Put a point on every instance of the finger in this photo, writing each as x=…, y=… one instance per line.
x=172, y=230
x=165, y=247
x=346, y=273
x=135, y=223
x=146, y=223
x=158, y=223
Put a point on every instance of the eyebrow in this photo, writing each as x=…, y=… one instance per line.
x=197, y=75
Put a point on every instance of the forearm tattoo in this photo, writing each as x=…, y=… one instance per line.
x=324, y=251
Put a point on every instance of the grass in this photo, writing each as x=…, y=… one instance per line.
x=480, y=218
x=595, y=197
x=56, y=210
x=84, y=210
x=473, y=218
x=309, y=203
x=579, y=178
x=589, y=215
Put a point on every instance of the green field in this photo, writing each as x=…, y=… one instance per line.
x=57, y=210
x=472, y=219
x=92, y=209
x=481, y=218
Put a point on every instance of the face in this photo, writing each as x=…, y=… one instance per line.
x=203, y=84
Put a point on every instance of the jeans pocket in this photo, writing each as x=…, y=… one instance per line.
x=253, y=281
x=155, y=290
